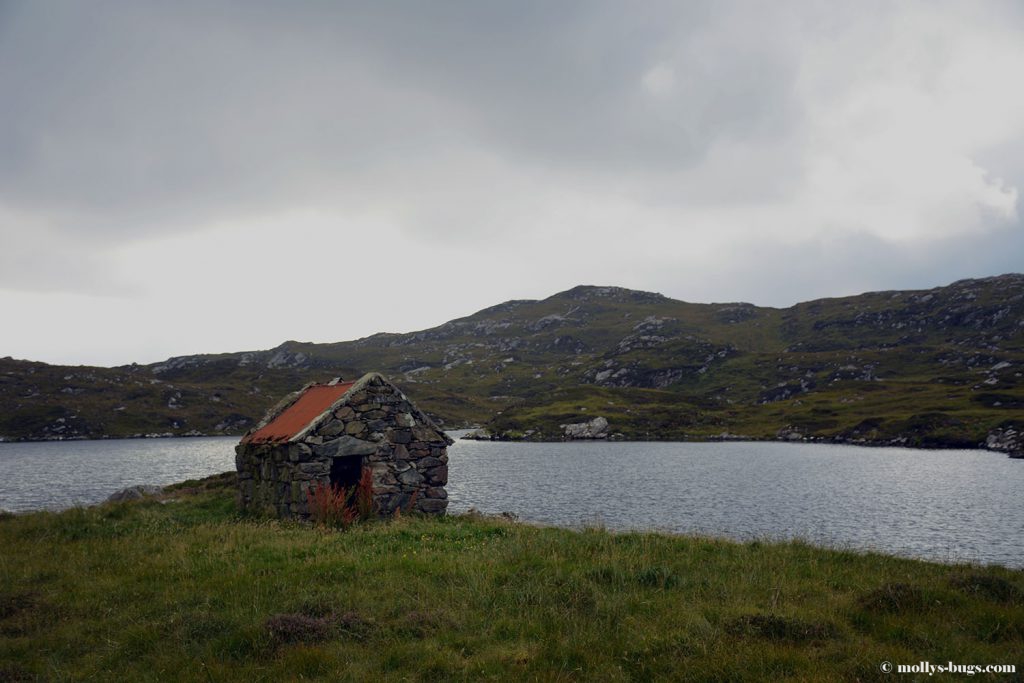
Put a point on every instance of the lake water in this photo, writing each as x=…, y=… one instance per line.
x=941, y=505
x=61, y=474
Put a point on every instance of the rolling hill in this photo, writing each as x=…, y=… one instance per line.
x=938, y=367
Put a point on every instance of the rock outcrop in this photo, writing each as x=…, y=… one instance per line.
x=1006, y=440
x=594, y=429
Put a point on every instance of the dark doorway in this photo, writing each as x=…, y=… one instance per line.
x=345, y=472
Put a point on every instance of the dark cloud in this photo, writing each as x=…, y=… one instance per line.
x=709, y=150
x=135, y=115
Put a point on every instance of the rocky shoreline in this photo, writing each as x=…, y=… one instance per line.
x=1003, y=440
x=111, y=437
x=1006, y=440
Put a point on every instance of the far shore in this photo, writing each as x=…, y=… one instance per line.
x=723, y=438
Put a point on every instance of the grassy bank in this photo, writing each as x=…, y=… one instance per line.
x=182, y=589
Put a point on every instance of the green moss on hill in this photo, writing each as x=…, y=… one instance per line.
x=940, y=367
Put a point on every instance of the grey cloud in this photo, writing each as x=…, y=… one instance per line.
x=560, y=83
x=144, y=116
x=768, y=273
x=710, y=150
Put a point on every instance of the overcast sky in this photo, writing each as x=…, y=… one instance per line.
x=180, y=177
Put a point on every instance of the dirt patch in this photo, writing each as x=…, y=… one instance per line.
x=12, y=673
x=893, y=598
x=774, y=627
x=24, y=613
x=13, y=603
x=285, y=629
x=993, y=588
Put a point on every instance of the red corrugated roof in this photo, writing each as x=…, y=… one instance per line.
x=293, y=419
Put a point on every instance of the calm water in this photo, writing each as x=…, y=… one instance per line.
x=941, y=505
x=61, y=474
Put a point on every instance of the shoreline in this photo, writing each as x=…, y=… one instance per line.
x=129, y=437
x=836, y=441
x=899, y=442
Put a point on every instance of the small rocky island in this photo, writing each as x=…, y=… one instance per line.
x=1004, y=440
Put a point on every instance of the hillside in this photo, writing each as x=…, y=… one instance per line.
x=940, y=367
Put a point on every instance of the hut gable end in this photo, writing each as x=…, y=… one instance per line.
x=371, y=400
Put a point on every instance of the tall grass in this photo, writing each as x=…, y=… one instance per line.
x=364, y=504
x=336, y=507
x=329, y=506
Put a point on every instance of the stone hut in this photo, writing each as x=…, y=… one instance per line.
x=327, y=433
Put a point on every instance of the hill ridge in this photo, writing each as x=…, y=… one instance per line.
x=865, y=367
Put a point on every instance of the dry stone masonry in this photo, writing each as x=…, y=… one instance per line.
x=372, y=424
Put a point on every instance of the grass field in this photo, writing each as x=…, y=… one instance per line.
x=185, y=589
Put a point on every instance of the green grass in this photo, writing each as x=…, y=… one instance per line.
x=184, y=589
x=918, y=413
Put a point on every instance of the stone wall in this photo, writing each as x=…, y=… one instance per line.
x=405, y=451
